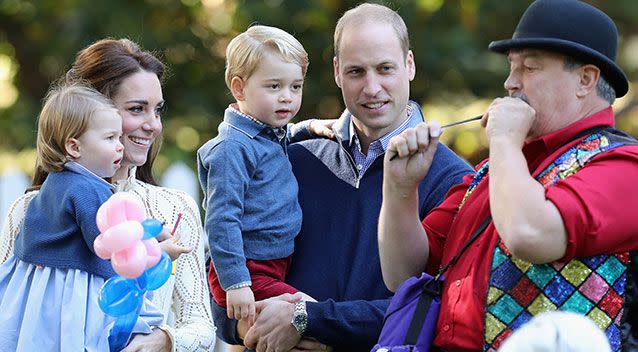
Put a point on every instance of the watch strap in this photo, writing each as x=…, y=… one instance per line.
x=300, y=317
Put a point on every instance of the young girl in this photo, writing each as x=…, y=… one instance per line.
x=49, y=288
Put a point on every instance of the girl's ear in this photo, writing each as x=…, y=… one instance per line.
x=237, y=88
x=72, y=147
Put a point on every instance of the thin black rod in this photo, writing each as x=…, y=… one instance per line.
x=450, y=125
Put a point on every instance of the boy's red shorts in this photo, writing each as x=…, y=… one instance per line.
x=267, y=278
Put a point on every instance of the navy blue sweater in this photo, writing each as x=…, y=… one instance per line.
x=59, y=225
x=336, y=258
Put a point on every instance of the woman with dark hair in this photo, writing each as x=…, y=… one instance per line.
x=131, y=78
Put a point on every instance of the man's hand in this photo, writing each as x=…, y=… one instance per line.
x=403, y=244
x=243, y=326
x=322, y=128
x=156, y=341
x=272, y=330
x=308, y=344
x=240, y=304
x=413, y=151
x=511, y=119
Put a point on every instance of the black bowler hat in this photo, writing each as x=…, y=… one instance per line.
x=573, y=28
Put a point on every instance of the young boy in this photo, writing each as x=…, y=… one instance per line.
x=250, y=192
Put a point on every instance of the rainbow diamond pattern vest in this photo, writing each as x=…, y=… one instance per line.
x=592, y=286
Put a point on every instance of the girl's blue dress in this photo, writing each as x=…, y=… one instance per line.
x=49, y=309
x=55, y=307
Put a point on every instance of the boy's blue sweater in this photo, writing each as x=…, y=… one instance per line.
x=250, y=197
x=59, y=225
x=336, y=258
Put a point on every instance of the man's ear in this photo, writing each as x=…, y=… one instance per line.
x=411, y=66
x=72, y=147
x=237, y=88
x=588, y=79
x=335, y=66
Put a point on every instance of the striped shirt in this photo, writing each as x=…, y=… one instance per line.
x=377, y=147
x=280, y=132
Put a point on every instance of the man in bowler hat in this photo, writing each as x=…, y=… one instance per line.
x=559, y=188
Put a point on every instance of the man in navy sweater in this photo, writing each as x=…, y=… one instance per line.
x=336, y=258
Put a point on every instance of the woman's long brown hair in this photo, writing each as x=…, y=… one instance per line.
x=104, y=65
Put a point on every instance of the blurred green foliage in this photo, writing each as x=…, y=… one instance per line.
x=456, y=75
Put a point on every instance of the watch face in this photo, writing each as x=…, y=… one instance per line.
x=300, y=318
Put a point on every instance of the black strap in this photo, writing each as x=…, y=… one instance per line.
x=629, y=322
x=488, y=219
x=479, y=230
x=432, y=289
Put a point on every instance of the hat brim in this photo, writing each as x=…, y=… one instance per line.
x=610, y=70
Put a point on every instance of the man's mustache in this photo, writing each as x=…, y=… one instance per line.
x=521, y=96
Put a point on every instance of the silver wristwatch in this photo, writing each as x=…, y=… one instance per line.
x=300, y=317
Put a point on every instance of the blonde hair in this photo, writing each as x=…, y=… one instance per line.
x=367, y=13
x=65, y=114
x=245, y=51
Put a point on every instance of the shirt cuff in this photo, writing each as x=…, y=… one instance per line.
x=239, y=285
x=300, y=131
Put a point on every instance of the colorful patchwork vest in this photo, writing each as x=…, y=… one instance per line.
x=593, y=286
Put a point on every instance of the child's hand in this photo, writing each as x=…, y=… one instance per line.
x=322, y=128
x=163, y=235
x=240, y=304
x=173, y=248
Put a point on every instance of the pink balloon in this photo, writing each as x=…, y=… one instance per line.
x=100, y=217
x=98, y=247
x=153, y=252
x=124, y=206
x=122, y=236
x=130, y=262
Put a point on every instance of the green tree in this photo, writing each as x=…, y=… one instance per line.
x=456, y=75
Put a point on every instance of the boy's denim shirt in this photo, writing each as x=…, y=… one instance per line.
x=250, y=197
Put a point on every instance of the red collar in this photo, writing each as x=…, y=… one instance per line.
x=537, y=149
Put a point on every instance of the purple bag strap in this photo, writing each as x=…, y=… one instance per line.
x=432, y=289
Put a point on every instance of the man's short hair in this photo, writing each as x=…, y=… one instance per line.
x=603, y=88
x=372, y=13
x=245, y=51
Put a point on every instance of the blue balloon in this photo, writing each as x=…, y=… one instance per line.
x=158, y=274
x=141, y=282
x=152, y=228
x=121, y=330
x=119, y=296
x=122, y=298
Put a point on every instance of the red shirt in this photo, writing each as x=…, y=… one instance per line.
x=597, y=205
